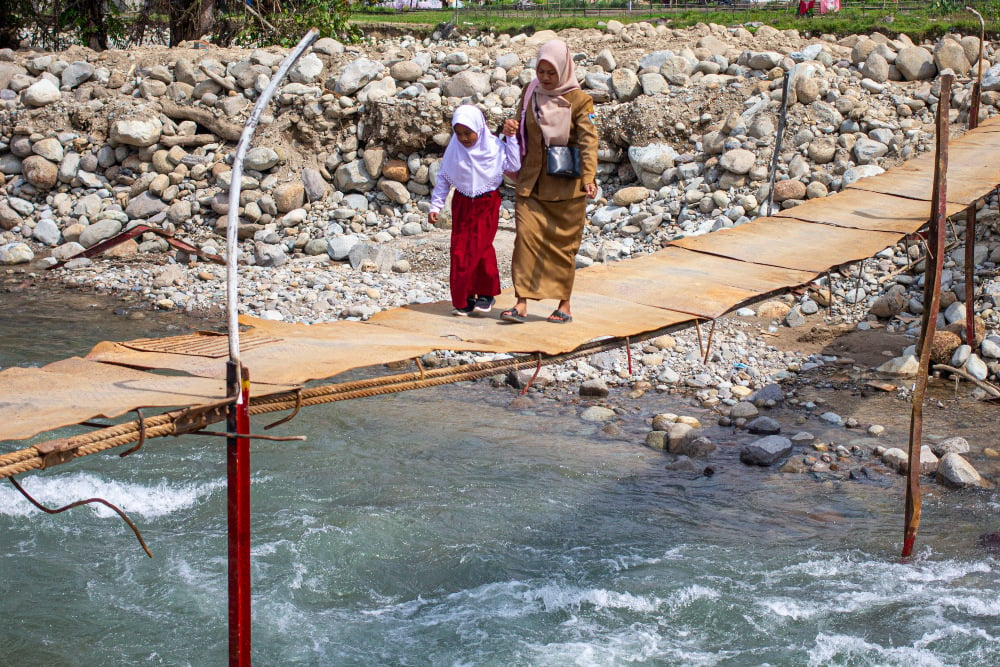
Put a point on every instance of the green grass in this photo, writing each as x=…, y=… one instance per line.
x=918, y=24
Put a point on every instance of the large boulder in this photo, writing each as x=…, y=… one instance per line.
x=467, y=84
x=41, y=93
x=355, y=76
x=954, y=471
x=915, y=63
x=949, y=54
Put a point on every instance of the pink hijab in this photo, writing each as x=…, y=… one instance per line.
x=552, y=110
x=477, y=170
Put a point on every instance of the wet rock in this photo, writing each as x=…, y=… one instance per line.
x=764, y=426
x=766, y=451
x=957, y=473
x=685, y=464
x=700, y=446
x=802, y=438
x=769, y=394
x=832, y=418
x=594, y=388
x=597, y=413
x=743, y=410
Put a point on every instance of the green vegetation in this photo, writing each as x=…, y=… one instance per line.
x=918, y=20
x=100, y=24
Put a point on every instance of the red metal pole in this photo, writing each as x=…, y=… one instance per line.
x=238, y=504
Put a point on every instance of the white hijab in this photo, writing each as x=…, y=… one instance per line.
x=477, y=170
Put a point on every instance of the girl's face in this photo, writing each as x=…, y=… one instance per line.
x=465, y=135
x=548, y=77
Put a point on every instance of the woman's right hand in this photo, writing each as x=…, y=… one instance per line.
x=510, y=127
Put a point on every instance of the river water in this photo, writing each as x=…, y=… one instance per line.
x=443, y=527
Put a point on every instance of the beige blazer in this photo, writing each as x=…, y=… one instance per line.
x=582, y=134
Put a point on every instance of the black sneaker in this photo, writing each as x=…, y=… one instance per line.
x=484, y=304
x=470, y=307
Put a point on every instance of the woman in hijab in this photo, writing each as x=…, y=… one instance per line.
x=550, y=211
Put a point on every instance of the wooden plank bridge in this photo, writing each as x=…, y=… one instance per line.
x=694, y=279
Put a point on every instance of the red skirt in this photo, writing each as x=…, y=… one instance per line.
x=474, y=270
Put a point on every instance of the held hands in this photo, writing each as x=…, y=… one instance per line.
x=510, y=127
x=591, y=189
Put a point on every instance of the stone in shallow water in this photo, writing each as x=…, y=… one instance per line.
x=956, y=472
x=766, y=451
x=597, y=413
x=594, y=388
x=764, y=426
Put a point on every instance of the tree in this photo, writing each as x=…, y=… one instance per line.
x=11, y=16
x=191, y=19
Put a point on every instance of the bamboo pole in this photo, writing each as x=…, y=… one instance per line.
x=928, y=325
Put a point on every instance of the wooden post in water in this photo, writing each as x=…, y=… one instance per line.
x=970, y=213
x=238, y=388
x=932, y=304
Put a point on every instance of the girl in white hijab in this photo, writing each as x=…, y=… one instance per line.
x=474, y=164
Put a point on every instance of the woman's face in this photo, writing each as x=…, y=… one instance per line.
x=548, y=77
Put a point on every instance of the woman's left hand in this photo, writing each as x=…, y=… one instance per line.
x=591, y=189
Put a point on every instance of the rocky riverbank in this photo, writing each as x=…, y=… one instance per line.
x=334, y=199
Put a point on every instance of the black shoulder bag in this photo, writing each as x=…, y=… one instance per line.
x=562, y=161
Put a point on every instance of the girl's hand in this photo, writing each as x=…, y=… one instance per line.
x=510, y=127
x=432, y=218
x=591, y=189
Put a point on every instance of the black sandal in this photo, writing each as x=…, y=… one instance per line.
x=511, y=315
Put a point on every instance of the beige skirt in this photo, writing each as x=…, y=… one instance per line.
x=548, y=237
